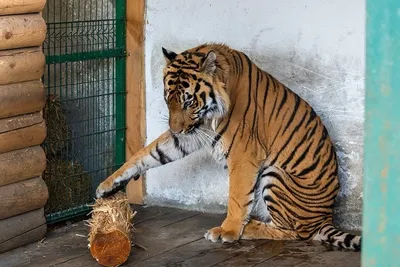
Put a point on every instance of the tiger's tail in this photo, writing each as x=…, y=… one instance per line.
x=331, y=235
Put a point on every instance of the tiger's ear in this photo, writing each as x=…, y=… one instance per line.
x=169, y=55
x=209, y=65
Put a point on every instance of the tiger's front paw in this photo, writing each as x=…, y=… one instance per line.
x=104, y=189
x=110, y=187
x=219, y=233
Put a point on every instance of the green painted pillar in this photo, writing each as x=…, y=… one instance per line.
x=381, y=214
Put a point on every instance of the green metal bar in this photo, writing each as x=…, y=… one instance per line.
x=120, y=6
x=122, y=129
x=63, y=23
x=381, y=214
x=68, y=214
x=91, y=96
x=118, y=52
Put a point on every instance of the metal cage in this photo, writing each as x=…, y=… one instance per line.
x=85, y=111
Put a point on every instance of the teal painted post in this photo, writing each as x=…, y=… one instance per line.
x=381, y=214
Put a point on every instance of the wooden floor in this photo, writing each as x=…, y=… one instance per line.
x=175, y=238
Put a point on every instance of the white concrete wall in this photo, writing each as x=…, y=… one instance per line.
x=314, y=47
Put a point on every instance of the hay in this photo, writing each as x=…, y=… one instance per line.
x=111, y=230
x=111, y=213
x=68, y=183
x=58, y=132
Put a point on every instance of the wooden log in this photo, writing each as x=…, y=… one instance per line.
x=21, y=138
x=21, y=98
x=31, y=236
x=22, y=31
x=18, y=198
x=20, y=65
x=110, y=230
x=22, y=164
x=22, y=229
x=21, y=121
x=9, y=7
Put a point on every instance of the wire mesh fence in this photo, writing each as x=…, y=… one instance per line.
x=85, y=110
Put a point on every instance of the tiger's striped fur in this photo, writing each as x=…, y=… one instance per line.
x=281, y=161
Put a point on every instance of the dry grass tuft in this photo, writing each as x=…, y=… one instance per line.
x=110, y=231
x=58, y=132
x=110, y=214
x=68, y=183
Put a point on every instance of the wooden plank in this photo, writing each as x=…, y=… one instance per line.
x=61, y=245
x=201, y=253
x=22, y=138
x=294, y=252
x=22, y=229
x=148, y=219
x=18, y=31
x=18, y=198
x=381, y=211
x=16, y=225
x=82, y=261
x=142, y=230
x=161, y=239
x=174, y=241
x=146, y=213
x=135, y=92
x=20, y=65
x=21, y=98
x=221, y=253
x=67, y=246
x=8, y=7
x=31, y=236
x=333, y=259
x=257, y=255
x=168, y=219
x=22, y=164
x=178, y=254
x=21, y=121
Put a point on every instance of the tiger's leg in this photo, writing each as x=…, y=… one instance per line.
x=289, y=213
x=242, y=179
x=165, y=149
x=260, y=230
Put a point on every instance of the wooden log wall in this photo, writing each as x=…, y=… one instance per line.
x=23, y=192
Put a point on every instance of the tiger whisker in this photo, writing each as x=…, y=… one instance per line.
x=205, y=142
x=206, y=136
x=212, y=138
x=209, y=131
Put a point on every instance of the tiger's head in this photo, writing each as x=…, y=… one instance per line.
x=194, y=89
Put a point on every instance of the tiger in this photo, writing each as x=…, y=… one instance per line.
x=281, y=162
